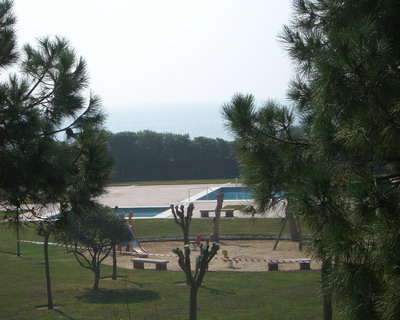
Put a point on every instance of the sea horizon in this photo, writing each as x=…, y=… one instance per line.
x=196, y=120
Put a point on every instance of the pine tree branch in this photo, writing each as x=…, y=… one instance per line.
x=38, y=81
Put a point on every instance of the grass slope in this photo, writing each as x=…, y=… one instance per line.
x=145, y=294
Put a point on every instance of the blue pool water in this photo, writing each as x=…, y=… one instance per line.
x=230, y=193
x=234, y=193
x=140, y=212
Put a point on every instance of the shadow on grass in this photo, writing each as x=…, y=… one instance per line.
x=218, y=292
x=122, y=296
x=64, y=315
x=10, y=252
x=211, y=290
x=56, y=308
x=138, y=284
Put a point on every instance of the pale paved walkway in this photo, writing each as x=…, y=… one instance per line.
x=165, y=195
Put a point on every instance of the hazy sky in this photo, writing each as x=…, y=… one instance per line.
x=169, y=51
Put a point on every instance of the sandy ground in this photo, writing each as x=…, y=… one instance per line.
x=250, y=249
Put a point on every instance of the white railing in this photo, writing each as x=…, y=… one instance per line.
x=208, y=190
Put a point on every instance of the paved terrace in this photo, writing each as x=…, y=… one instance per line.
x=165, y=195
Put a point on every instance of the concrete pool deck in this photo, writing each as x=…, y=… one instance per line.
x=165, y=195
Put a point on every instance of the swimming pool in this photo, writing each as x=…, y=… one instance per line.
x=230, y=193
x=234, y=193
x=141, y=212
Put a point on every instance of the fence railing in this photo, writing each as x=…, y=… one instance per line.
x=208, y=190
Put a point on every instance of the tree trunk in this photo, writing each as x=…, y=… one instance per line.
x=280, y=233
x=47, y=267
x=18, y=248
x=294, y=232
x=215, y=235
x=327, y=300
x=185, y=230
x=300, y=233
x=114, y=255
x=96, y=271
x=193, y=302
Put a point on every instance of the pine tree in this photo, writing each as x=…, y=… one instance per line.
x=53, y=146
x=342, y=173
x=52, y=142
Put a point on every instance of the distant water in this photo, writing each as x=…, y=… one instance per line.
x=193, y=119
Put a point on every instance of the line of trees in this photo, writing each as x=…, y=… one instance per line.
x=147, y=156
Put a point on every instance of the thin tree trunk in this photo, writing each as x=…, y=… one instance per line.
x=300, y=233
x=215, y=235
x=280, y=233
x=327, y=300
x=47, y=267
x=114, y=255
x=18, y=248
x=294, y=232
x=96, y=271
x=186, y=235
x=193, y=302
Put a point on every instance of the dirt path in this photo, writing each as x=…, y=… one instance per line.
x=243, y=249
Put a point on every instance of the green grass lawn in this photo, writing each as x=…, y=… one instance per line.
x=147, y=294
x=148, y=228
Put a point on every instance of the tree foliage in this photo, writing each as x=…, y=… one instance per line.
x=269, y=148
x=52, y=141
x=341, y=174
x=96, y=228
x=53, y=147
x=147, y=155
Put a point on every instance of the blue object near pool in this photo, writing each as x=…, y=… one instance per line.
x=234, y=193
x=230, y=193
x=141, y=212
